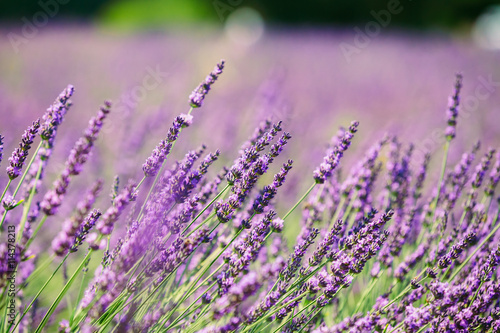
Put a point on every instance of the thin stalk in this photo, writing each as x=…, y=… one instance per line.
x=491, y=234
x=300, y=200
x=407, y=289
x=147, y=298
x=291, y=290
x=337, y=211
x=140, y=183
x=206, y=207
x=38, y=227
x=190, y=224
x=398, y=327
x=21, y=180
x=366, y=293
x=110, y=317
x=476, y=293
x=208, y=219
x=349, y=208
x=190, y=290
x=4, y=318
x=440, y=183
x=181, y=316
x=61, y=294
x=298, y=313
x=310, y=319
x=27, y=205
x=37, y=271
x=78, y=298
x=153, y=292
x=40, y=291
x=6, y=189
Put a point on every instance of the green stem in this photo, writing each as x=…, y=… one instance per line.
x=63, y=292
x=6, y=189
x=28, y=166
x=476, y=293
x=407, y=289
x=206, y=207
x=310, y=319
x=78, y=298
x=440, y=183
x=40, y=291
x=398, y=327
x=27, y=205
x=291, y=290
x=298, y=313
x=37, y=271
x=190, y=290
x=38, y=227
x=349, y=209
x=140, y=183
x=208, y=219
x=300, y=200
x=366, y=293
x=491, y=234
x=181, y=316
x=337, y=211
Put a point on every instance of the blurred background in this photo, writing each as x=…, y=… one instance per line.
x=136, y=14
x=316, y=65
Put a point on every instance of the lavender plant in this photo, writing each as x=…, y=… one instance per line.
x=383, y=246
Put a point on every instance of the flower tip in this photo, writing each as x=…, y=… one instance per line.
x=70, y=89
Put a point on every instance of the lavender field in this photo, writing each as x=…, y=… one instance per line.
x=297, y=188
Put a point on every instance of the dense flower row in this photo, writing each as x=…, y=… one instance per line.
x=382, y=246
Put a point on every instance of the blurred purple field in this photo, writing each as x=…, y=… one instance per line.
x=397, y=83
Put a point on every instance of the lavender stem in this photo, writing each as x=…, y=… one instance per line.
x=466, y=261
x=26, y=207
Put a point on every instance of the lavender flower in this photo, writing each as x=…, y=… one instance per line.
x=160, y=153
x=55, y=114
x=85, y=228
x=452, y=112
x=106, y=224
x=269, y=191
x=494, y=178
x=198, y=95
x=77, y=157
x=332, y=159
x=20, y=154
x=63, y=240
x=482, y=168
x=1, y=147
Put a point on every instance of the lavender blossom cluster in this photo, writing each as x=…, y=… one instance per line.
x=200, y=244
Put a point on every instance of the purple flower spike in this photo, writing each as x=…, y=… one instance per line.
x=77, y=157
x=332, y=159
x=55, y=114
x=20, y=154
x=269, y=191
x=63, y=240
x=85, y=228
x=452, y=112
x=482, y=168
x=494, y=178
x=154, y=162
x=1, y=147
x=198, y=95
x=107, y=223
